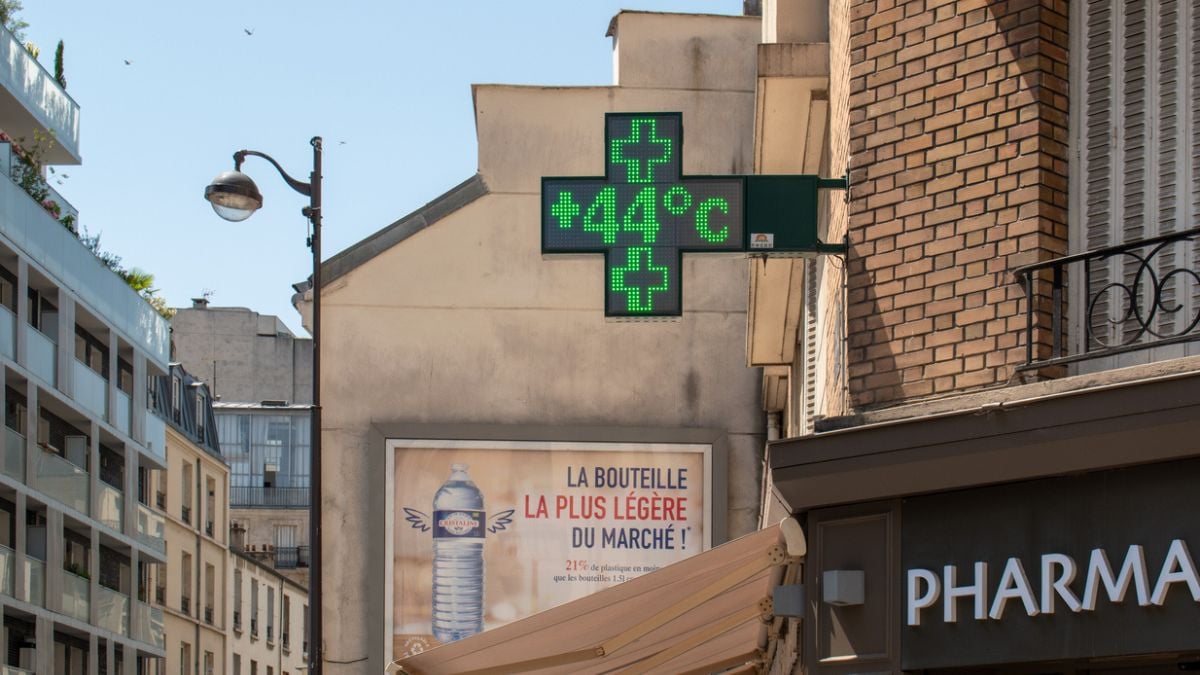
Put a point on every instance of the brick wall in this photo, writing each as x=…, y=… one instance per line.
x=958, y=165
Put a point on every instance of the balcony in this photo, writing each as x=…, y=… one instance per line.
x=8, y=333
x=156, y=435
x=150, y=529
x=185, y=605
x=40, y=352
x=1132, y=297
x=291, y=557
x=110, y=507
x=208, y=615
x=75, y=601
x=8, y=561
x=13, y=670
x=112, y=610
x=14, y=455
x=148, y=625
x=34, y=589
x=185, y=512
x=91, y=390
x=270, y=633
x=208, y=528
x=250, y=497
x=73, y=266
x=124, y=420
x=40, y=103
x=254, y=626
x=62, y=480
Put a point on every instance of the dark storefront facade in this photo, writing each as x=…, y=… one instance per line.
x=1053, y=534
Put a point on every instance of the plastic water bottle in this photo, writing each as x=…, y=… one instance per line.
x=459, y=523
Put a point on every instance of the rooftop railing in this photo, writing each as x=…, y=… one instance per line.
x=268, y=497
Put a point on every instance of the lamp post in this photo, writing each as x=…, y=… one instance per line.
x=235, y=197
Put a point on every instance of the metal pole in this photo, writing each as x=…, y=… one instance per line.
x=315, y=646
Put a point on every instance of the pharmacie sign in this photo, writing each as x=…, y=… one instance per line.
x=1094, y=566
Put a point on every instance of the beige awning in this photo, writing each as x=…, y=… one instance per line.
x=704, y=614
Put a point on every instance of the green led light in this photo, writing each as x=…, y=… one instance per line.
x=646, y=203
x=643, y=133
x=675, y=206
x=606, y=205
x=639, y=299
x=702, y=212
x=565, y=209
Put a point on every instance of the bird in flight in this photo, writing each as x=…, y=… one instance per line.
x=248, y=31
x=128, y=62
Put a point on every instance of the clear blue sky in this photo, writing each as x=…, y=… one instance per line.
x=387, y=84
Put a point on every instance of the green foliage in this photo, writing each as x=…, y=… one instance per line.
x=8, y=17
x=59, y=75
x=138, y=279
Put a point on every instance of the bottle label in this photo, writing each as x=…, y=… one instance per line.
x=459, y=524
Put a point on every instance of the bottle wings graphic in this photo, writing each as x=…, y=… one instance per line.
x=458, y=522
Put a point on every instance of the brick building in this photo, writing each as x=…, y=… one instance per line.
x=989, y=405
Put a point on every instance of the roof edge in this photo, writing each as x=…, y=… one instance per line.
x=374, y=244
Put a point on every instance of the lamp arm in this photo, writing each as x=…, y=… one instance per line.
x=240, y=156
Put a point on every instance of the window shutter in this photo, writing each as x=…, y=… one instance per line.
x=1136, y=134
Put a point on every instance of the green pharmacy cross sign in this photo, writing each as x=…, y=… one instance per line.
x=644, y=214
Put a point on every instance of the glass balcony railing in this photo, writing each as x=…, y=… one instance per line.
x=150, y=528
x=75, y=602
x=110, y=507
x=62, y=480
x=43, y=104
x=34, y=588
x=8, y=333
x=8, y=561
x=14, y=454
x=112, y=610
x=156, y=435
x=124, y=413
x=148, y=624
x=40, y=353
x=91, y=390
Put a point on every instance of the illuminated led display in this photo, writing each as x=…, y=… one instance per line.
x=643, y=214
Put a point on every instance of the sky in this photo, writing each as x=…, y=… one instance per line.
x=386, y=84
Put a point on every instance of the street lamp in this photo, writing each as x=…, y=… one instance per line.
x=235, y=197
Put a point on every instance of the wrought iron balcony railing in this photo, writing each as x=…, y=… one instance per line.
x=291, y=557
x=1134, y=296
x=268, y=497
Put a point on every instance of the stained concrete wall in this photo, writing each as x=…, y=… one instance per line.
x=244, y=356
x=464, y=322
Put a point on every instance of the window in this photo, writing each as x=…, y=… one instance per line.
x=208, y=663
x=210, y=506
x=185, y=659
x=237, y=664
x=91, y=352
x=186, y=493
x=1135, y=167
x=253, y=609
x=237, y=599
x=285, y=633
x=270, y=613
x=200, y=415
x=210, y=581
x=253, y=667
x=185, y=584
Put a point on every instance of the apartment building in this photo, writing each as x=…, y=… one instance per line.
x=261, y=377
x=193, y=494
x=79, y=542
x=269, y=613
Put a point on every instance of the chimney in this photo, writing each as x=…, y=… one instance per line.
x=237, y=536
x=199, y=303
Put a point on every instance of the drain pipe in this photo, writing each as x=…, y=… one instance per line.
x=774, y=422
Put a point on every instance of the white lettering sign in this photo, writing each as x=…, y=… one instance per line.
x=1057, y=572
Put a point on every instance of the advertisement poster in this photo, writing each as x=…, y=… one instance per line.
x=556, y=521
